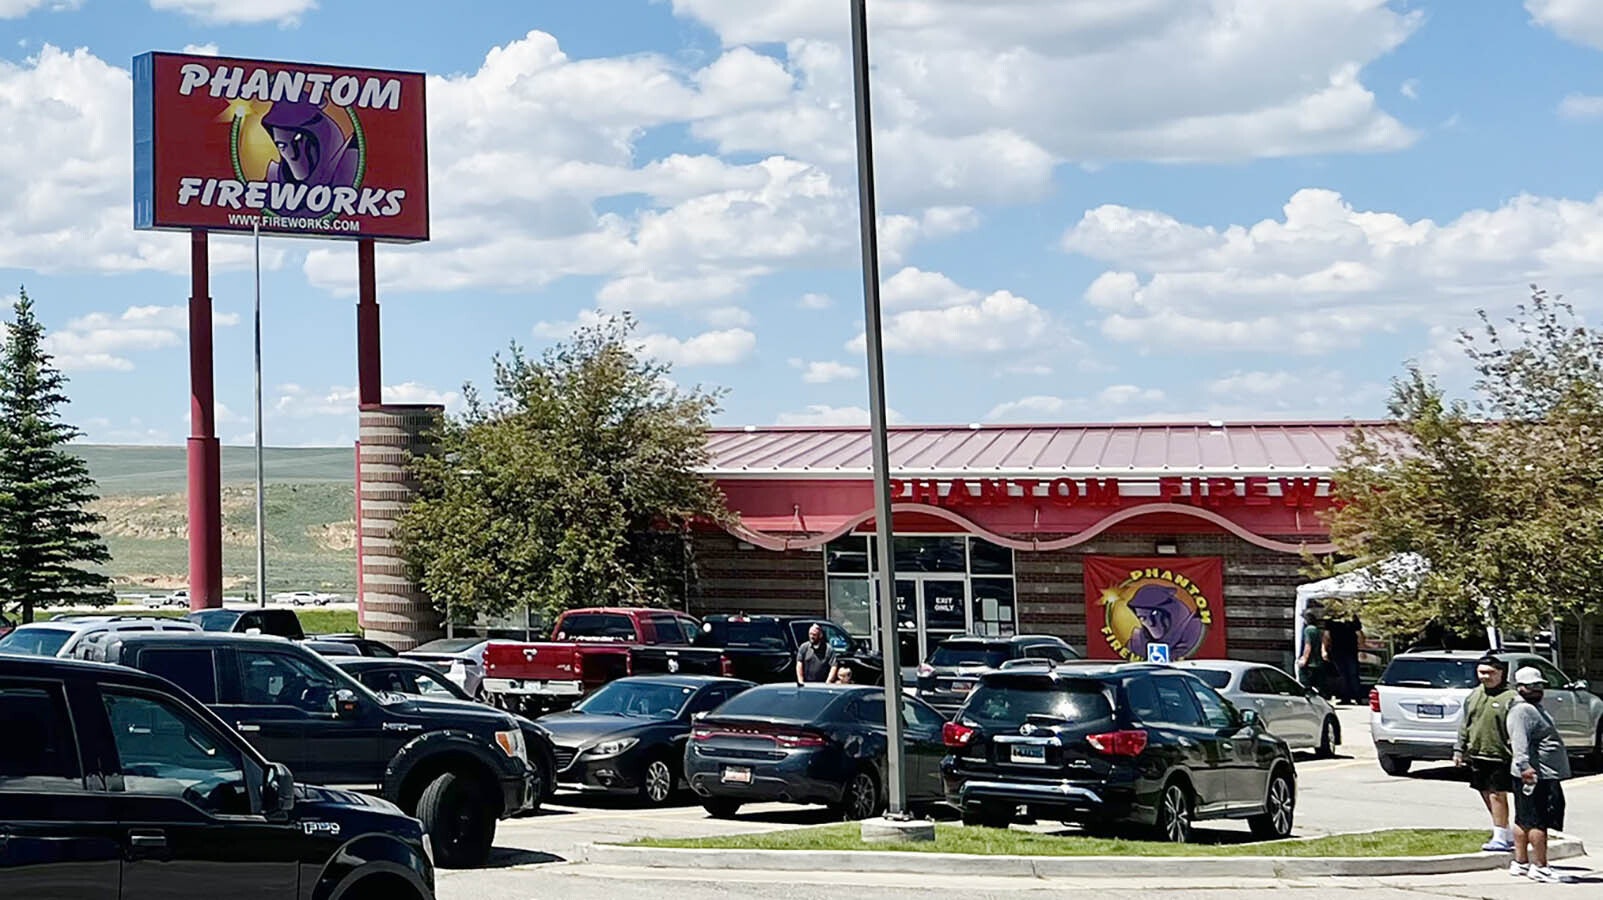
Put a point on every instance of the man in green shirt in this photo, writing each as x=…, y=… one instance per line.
x=1483, y=745
x=1310, y=665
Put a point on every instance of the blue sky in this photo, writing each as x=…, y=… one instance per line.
x=1092, y=211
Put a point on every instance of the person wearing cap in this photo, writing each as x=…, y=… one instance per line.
x=1541, y=763
x=1482, y=745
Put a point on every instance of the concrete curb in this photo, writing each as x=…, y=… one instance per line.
x=1561, y=847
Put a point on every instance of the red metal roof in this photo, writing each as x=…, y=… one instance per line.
x=1135, y=450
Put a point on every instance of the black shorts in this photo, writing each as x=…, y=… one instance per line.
x=1542, y=809
x=1490, y=775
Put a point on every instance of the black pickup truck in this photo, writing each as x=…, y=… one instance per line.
x=762, y=649
x=457, y=767
x=114, y=783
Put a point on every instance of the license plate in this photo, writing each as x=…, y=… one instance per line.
x=1028, y=753
x=962, y=686
x=1430, y=710
x=736, y=775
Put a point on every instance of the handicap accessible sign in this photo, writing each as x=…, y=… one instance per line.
x=1158, y=653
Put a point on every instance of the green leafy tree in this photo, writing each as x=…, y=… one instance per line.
x=572, y=486
x=50, y=549
x=1501, y=496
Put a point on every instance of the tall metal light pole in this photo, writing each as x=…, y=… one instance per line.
x=896, y=787
x=261, y=496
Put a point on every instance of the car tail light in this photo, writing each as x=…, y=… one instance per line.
x=701, y=734
x=925, y=670
x=957, y=736
x=1374, y=699
x=1119, y=743
x=800, y=740
x=726, y=667
x=628, y=664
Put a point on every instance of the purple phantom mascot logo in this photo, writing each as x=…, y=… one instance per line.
x=312, y=149
x=1165, y=619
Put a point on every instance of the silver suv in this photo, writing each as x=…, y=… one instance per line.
x=1415, y=709
x=63, y=635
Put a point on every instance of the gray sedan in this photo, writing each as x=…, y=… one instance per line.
x=1296, y=715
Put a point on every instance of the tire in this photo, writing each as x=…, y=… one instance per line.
x=1327, y=738
x=862, y=798
x=658, y=782
x=1395, y=766
x=988, y=817
x=458, y=820
x=1280, y=812
x=1174, y=814
x=720, y=807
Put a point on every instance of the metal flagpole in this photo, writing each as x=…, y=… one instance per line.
x=896, y=787
x=261, y=497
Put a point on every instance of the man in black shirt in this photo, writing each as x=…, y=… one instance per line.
x=1343, y=637
x=816, y=661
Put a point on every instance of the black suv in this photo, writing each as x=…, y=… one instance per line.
x=457, y=767
x=114, y=783
x=281, y=622
x=1105, y=746
x=955, y=665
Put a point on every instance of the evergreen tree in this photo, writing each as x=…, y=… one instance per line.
x=49, y=545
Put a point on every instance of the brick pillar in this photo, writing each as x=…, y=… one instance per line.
x=390, y=607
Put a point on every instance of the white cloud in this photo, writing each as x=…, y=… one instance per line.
x=1325, y=276
x=956, y=320
x=912, y=287
x=636, y=292
x=820, y=415
x=1581, y=106
x=1410, y=89
x=298, y=402
x=1034, y=408
x=1578, y=20
x=712, y=348
x=815, y=301
x=727, y=317
x=16, y=9
x=238, y=12
x=826, y=371
x=102, y=341
x=1252, y=384
x=207, y=49
x=1129, y=394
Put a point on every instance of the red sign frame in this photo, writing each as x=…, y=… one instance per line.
x=1133, y=601
x=224, y=144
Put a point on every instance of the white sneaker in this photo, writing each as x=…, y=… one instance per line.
x=1545, y=874
x=1518, y=869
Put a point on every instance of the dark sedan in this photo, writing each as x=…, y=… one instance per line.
x=811, y=744
x=415, y=679
x=629, y=736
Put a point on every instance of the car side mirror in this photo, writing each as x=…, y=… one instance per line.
x=346, y=704
x=699, y=716
x=278, y=790
x=1249, y=718
x=1578, y=686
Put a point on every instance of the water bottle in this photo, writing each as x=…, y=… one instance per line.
x=1527, y=787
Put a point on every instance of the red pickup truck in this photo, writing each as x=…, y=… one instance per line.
x=591, y=647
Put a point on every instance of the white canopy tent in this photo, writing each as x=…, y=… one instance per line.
x=1354, y=585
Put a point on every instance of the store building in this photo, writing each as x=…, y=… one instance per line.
x=1116, y=537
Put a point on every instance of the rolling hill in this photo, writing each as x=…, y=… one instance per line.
x=311, y=526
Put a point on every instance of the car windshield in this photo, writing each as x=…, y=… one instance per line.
x=729, y=633
x=637, y=699
x=989, y=655
x=1424, y=672
x=1006, y=703
x=447, y=645
x=35, y=641
x=1213, y=678
x=214, y=619
x=780, y=702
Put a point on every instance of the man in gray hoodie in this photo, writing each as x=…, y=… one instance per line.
x=1540, y=764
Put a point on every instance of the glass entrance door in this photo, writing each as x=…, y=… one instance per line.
x=928, y=610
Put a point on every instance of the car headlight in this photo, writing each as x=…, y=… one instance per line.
x=614, y=747
x=511, y=743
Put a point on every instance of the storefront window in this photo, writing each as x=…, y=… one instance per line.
x=986, y=558
x=993, y=606
x=930, y=554
x=849, y=605
x=846, y=555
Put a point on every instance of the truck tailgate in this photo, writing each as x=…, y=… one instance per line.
x=543, y=662
x=677, y=660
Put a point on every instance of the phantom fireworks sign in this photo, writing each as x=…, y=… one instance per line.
x=224, y=144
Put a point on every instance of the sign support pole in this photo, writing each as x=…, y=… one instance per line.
x=261, y=479
x=203, y=456
x=895, y=762
x=369, y=377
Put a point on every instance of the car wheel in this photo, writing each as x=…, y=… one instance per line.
x=862, y=799
x=1327, y=739
x=1174, y=815
x=1281, y=807
x=721, y=807
x=459, y=821
x=1395, y=765
x=657, y=783
x=988, y=817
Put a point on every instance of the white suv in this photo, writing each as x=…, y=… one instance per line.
x=62, y=635
x=1415, y=709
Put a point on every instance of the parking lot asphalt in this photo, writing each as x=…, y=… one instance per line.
x=538, y=856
